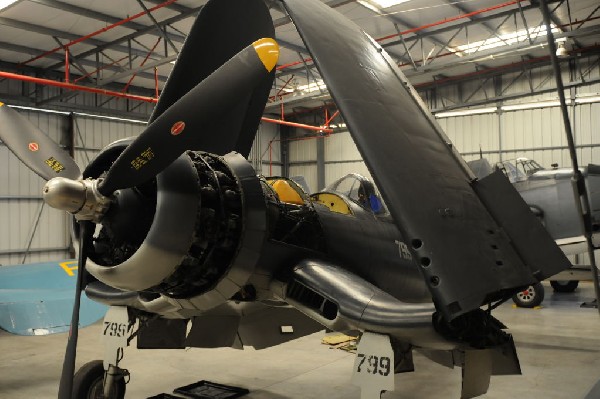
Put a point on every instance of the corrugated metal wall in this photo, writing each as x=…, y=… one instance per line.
x=303, y=160
x=534, y=133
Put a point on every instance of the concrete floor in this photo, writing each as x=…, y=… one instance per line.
x=558, y=345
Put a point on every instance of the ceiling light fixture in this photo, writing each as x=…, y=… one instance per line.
x=587, y=99
x=543, y=104
x=503, y=40
x=52, y=111
x=561, y=50
x=466, y=112
x=388, y=3
x=6, y=3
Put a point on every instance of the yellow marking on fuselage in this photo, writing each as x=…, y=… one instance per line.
x=67, y=268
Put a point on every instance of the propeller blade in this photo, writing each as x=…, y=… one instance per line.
x=211, y=35
x=181, y=127
x=36, y=150
x=65, y=389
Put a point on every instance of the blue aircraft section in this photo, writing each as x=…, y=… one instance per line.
x=37, y=298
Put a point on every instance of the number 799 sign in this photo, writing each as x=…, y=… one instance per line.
x=374, y=365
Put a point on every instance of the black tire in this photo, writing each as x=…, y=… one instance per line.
x=564, y=286
x=88, y=383
x=530, y=297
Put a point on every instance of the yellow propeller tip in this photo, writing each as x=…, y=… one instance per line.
x=1, y=103
x=268, y=52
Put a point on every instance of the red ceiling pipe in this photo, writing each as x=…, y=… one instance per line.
x=291, y=64
x=298, y=125
x=70, y=86
x=273, y=98
x=105, y=29
x=328, y=121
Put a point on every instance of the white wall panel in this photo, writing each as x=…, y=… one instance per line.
x=272, y=170
x=309, y=172
x=587, y=132
x=303, y=150
x=536, y=133
x=340, y=147
x=471, y=133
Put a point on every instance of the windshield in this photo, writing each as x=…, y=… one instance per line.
x=519, y=169
x=360, y=190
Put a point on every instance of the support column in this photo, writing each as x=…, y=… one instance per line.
x=320, y=164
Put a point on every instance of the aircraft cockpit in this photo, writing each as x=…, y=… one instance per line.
x=285, y=190
x=519, y=169
x=356, y=188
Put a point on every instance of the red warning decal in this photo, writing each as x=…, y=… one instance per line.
x=177, y=128
x=33, y=147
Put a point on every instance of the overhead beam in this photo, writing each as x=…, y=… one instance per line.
x=61, y=34
x=85, y=12
x=442, y=65
x=162, y=32
x=131, y=36
x=137, y=70
x=85, y=62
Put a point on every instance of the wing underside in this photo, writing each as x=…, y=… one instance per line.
x=465, y=255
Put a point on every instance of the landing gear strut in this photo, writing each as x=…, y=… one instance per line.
x=89, y=382
x=105, y=379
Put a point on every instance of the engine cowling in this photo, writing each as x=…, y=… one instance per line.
x=190, y=239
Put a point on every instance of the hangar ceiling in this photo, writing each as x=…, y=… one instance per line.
x=129, y=46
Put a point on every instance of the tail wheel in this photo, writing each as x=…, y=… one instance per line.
x=88, y=383
x=530, y=297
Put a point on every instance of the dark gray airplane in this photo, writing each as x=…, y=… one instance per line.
x=178, y=233
x=550, y=196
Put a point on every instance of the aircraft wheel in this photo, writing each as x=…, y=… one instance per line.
x=88, y=383
x=530, y=297
x=564, y=286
